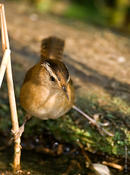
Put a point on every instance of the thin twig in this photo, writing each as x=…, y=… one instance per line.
x=12, y=102
x=93, y=121
x=113, y=165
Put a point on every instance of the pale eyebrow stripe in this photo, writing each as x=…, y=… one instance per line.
x=48, y=68
x=68, y=79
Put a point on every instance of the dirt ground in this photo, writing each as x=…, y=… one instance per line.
x=97, y=58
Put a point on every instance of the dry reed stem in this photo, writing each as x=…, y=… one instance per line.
x=4, y=65
x=11, y=94
x=113, y=165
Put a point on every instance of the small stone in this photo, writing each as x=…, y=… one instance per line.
x=55, y=145
x=67, y=149
x=121, y=59
x=33, y=17
x=101, y=169
x=37, y=140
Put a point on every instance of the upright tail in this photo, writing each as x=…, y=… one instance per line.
x=52, y=47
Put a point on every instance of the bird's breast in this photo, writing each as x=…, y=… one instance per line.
x=43, y=102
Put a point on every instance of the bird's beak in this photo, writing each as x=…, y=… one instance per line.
x=65, y=91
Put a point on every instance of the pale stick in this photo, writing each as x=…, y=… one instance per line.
x=12, y=102
x=4, y=65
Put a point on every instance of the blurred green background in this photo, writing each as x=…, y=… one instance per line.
x=110, y=13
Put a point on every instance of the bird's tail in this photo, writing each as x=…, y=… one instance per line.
x=52, y=48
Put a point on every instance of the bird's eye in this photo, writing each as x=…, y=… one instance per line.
x=52, y=78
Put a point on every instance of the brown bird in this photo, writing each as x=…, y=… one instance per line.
x=47, y=91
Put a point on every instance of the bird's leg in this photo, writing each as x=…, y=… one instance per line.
x=21, y=128
x=94, y=122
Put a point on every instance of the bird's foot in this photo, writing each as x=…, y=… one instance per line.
x=18, y=134
x=94, y=121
